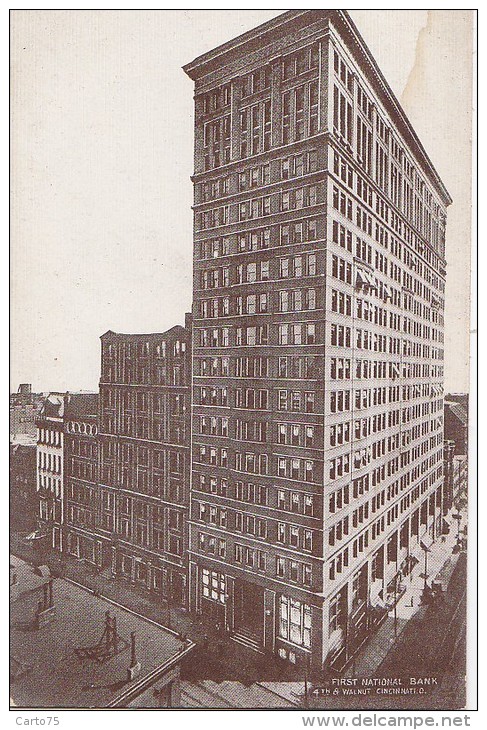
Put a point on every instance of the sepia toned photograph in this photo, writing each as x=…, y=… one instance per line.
x=241, y=251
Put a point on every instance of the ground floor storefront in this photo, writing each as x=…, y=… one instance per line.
x=316, y=632
x=148, y=571
x=255, y=615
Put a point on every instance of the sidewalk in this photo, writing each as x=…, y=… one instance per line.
x=441, y=564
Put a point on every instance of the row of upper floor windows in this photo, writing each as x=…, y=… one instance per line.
x=259, y=79
x=49, y=436
x=369, y=291
x=251, y=272
x=86, y=448
x=391, y=161
x=218, y=366
x=286, y=168
x=137, y=373
x=144, y=402
x=260, y=207
x=259, y=239
x=48, y=461
x=310, y=333
x=310, y=436
x=285, y=500
x=144, y=350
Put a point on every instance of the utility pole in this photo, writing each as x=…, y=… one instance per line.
x=306, y=681
x=395, y=606
x=425, y=567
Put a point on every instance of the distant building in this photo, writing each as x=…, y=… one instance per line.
x=460, y=476
x=23, y=493
x=25, y=406
x=50, y=469
x=456, y=422
x=448, y=486
x=144, y=460
x=63, y=414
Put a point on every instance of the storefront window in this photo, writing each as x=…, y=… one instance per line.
x=295, y=621
x=213, y=585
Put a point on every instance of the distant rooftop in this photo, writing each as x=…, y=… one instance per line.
x=144, y=336
x=46, y=670
x=81, y=404
x=23, y=440
x=458, y=410
x=70, y=405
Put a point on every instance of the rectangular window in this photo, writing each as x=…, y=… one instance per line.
x=295, y=621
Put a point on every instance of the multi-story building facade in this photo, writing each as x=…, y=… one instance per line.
x=455, y=476
x=319, y=275
x=50, y=469
x=456, y=422
x=66, y=466
x=145, y=458
x=24, y=504
x=81, y=495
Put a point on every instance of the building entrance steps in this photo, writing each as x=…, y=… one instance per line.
x=441, y=562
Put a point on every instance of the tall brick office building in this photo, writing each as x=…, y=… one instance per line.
x=319, y=278
x=144, y=458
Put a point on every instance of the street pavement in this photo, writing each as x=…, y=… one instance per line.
x=441, y=564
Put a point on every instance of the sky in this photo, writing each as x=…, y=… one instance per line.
x=102, y=153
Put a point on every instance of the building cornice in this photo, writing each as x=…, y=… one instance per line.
x=290, y=22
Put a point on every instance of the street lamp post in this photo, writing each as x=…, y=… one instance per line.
x=426, y=551
x=306, y=680
x=395, y=606
x=458, y=517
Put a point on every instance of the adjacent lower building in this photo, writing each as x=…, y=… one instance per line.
x=319, y=285
x=455, y=476
x=144, y=458
x=66, y=468
x=456, y=422
x=81, y=494
x=23, y=492
x=50, y=470
x=113, y=470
